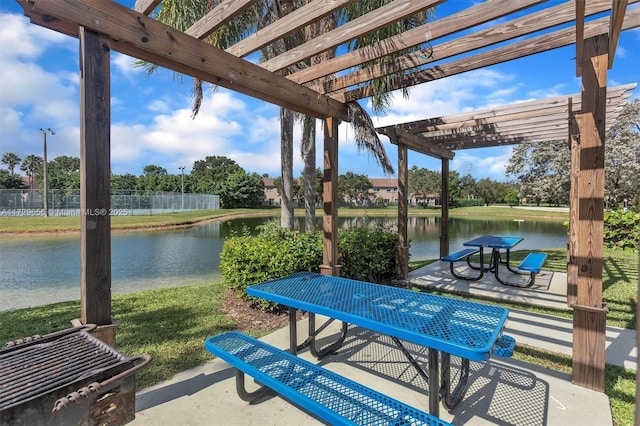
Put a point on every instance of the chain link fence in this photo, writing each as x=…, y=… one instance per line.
x=30, y=202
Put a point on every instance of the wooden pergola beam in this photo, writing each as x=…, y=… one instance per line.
x=543, y=43
x=476, y=15
x=379, y=18
x=217, y=17
x=552, y=105
x=534, y=22
x=580, y=9
x=416, y=143
x=286, y=25
x=142, y=37
x=146, y=6
x=618, y=9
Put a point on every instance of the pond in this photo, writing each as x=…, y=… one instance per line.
x=42, y=270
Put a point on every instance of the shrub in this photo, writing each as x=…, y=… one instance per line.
x=621, y=230
x=247, y=260
x=365, y=254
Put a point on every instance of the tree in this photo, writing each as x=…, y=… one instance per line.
x=123, y=182
x=10, y=180
x=354, y=187
x=383, y=86
x=211, y=173
x=317, y=189
x=423, y=183
x=455, y=186
x=11, y=160
x=242, y=190
x=492, y=191
x=31, y=165
x=63, y=173
x=542, y=170
x=622, y=156
x=366, y=138
x=153, y=170
x=468, y=186
x=512, y=198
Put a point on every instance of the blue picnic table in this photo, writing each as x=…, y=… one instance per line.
x=444, y=325
x=530, y=265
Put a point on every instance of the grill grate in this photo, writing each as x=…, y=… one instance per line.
x=40, y=366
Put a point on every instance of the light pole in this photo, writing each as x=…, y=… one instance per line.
x=182, y=183
x=44, y=169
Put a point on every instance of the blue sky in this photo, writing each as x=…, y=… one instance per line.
x=151, y=115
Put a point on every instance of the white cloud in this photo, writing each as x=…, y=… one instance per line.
x=21, y=40
x=482, y=165
x=124, y=65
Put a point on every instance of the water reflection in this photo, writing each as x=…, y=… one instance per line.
x=41, y=270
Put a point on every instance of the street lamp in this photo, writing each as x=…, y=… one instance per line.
x=44, y=169
x=182, y=183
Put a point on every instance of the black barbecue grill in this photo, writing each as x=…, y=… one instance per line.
x=67, y=378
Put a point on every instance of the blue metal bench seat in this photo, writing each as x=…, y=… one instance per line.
x=462, y=255
x=459, y=255
x=532, y=264
x=323, y=393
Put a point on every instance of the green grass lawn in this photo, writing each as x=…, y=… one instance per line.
x=39, y=224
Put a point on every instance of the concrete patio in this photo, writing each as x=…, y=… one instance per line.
x=549, y=290
x=501, y=391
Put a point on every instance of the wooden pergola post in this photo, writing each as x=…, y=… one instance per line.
x=444, y=209
x=330, y=199
x=95, y=192
x=589, y=314
x=402, y=257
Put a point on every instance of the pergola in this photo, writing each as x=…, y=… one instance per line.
x=479, y=36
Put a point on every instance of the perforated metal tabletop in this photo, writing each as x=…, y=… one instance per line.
x=494, y=241
x=455, y=326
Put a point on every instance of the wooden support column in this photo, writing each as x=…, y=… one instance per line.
x=444, y=209
x=589, y=314
x=574, y=146
x=402, y=257
x=330, y=199
x=95, y=192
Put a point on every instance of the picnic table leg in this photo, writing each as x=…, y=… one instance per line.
x=434, y=386
x=311, y=340
x=451, y=399
x=242, y=390
x=508, y=263
x=501, y=281
x=293, y=331
x=431, y=377
x=480, y=268
x=462, y=277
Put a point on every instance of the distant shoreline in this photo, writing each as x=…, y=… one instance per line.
x=494, y=211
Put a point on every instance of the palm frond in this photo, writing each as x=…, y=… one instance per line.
x=366, y=137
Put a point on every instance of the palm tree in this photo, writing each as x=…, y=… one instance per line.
x=365, y=136
x=11, y=160
x=181, y=15
x=30, y=165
